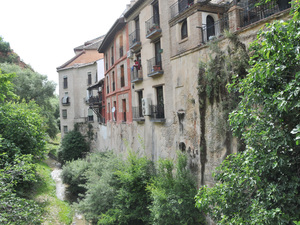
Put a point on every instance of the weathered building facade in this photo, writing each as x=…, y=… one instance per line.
x=165, y=43
x=75, y=76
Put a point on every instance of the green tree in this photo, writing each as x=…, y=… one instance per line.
x=21, y=124
x=30, y=85
x=73, y=146
x=261, y=185
x=6, y=86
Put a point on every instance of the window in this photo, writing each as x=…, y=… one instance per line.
x=114, y=111
x=124, y=109
x=108, y=111
x=107, y=85
x=90, y=115
x=65, y=99
x=112, y=55
x=184, y=30
x=65, y=82
x=122, y=76
x=140, y=97
x=113, y=81
x=65, y=129
x=64, y=114
x=96, y=77
x=137, y=28
x=106, y=61
x=210, y=26
x=121, y=46
x=155, y=13
x=157, y=49
x=160, y=102
x=89, y=78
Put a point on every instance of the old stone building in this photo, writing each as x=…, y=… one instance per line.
x=167, y=40
x=75, y=76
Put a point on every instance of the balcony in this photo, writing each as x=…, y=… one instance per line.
x=252, y=13
x=65, y=101
x=153, y=29
x=154, y=67
x=158, y=113
x=137, y=113
x=216, y=30
x=179, y=7
x=136, y=75
x=134, y=40
x=94, y=100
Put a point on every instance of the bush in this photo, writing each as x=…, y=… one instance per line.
x=22, y=125
x=132, y=197
x=173, y=194
x=73, y=147
x=73, y=175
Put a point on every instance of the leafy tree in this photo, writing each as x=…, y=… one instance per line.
x=4, y=46
x=173, y=194
x=73, y=146
x=30, y=85
x=261, y=185
x=6, y=86
x=22, y=125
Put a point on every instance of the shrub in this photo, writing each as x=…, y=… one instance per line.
x=73, y=147
x=173, y=194
x=22, y=124
x=73, y=175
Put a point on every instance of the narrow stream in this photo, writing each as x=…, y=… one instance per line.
x=61, y=189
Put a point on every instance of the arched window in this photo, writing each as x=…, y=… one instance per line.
x=184, y=30
x=210, y=26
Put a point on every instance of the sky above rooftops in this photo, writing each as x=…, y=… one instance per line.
x=44, y=33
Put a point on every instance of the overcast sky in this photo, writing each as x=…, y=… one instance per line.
x=45, y=32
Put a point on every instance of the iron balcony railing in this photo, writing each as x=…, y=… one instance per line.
x=136, y=74
x=152, y=25
x=215, y=30
x=137, y=112
x=252, y=13
x=93, y=99
x=180, y=7
x=134, y=38
x=158, y=111
x=154, y=64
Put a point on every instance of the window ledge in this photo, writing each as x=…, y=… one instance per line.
x=183, y=40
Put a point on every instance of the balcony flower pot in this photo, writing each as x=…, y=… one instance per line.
x=156, y=68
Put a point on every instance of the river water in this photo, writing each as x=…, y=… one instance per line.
x=61, y=189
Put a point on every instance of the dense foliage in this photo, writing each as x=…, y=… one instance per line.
x=261, y=185
x=73, y=146
x=22, y=124
x=30, y=85
x=172, y=194
x=21, y=143
x=132, y=191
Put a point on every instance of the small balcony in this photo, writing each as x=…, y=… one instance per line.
x=153, y=29
x=134, y=40
x=179, y=7
x=252, y=13
x=65, y=101
x=94, y=100
x=154, y=67
x=137, y=113
x=158, y=113
x=136, y=74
